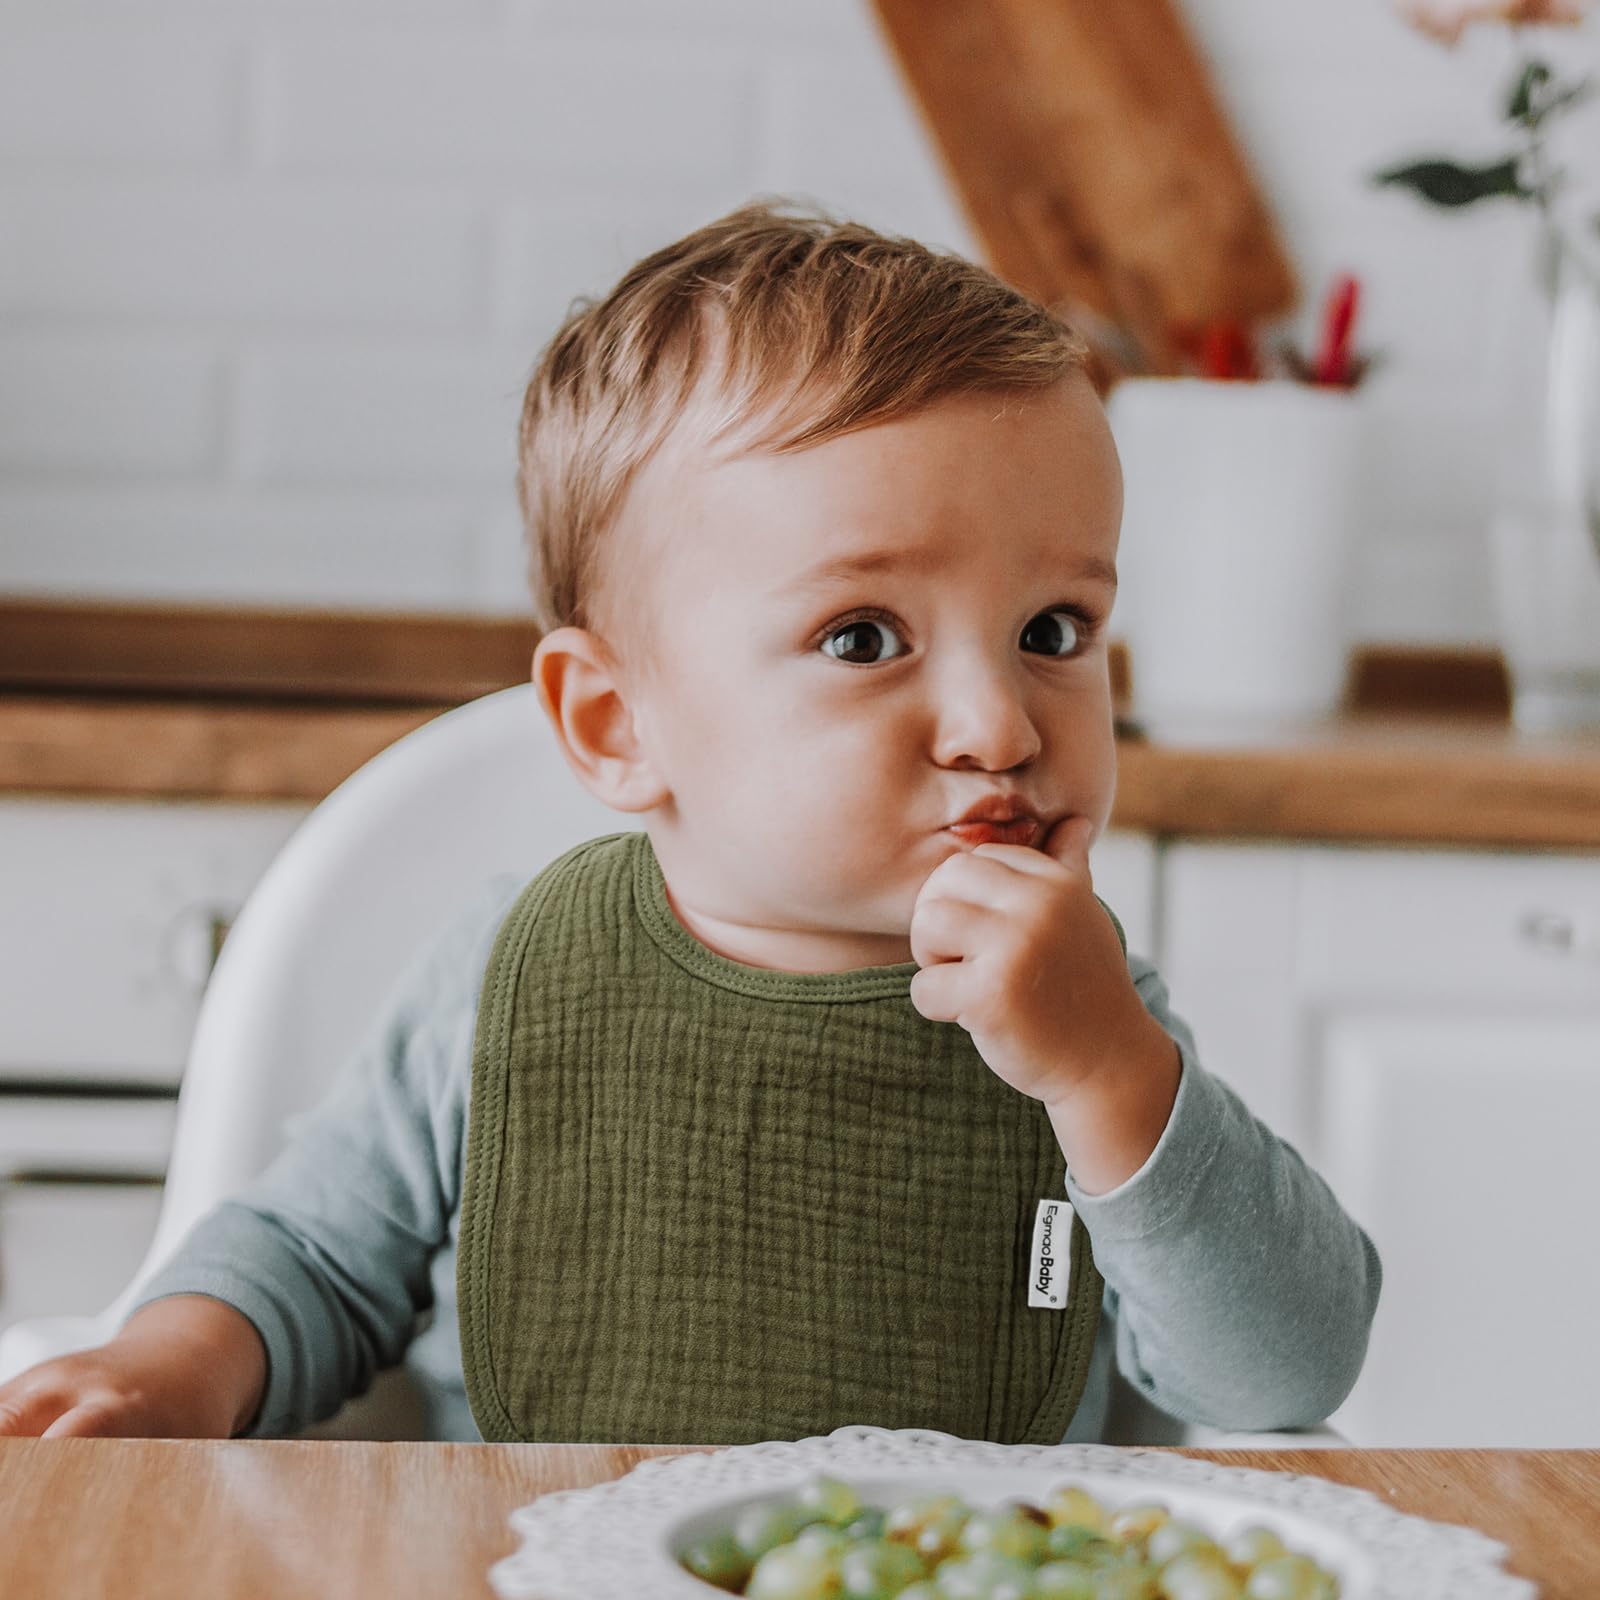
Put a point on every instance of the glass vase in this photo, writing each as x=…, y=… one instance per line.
x=1545, y=523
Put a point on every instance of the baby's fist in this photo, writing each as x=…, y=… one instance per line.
x=1016, y=949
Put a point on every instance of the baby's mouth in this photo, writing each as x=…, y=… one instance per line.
x=1022, y=830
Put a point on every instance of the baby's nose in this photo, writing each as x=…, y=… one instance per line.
x=986, y=721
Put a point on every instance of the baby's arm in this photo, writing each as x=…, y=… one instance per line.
x=287, y=1298
x=1246, y=1291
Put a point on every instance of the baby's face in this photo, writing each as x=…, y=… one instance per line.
x=819, y=727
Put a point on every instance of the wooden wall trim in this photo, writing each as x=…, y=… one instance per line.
x=368, y=657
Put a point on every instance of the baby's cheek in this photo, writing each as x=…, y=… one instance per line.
x=1093, y=771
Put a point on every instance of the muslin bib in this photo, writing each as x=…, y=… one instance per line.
x=712, y=1203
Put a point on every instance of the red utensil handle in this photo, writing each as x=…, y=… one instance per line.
x=1333, y=355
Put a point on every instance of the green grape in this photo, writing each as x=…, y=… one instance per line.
x=1124, y=1583
x=832, y=1500
x=940, y=1536
x=1137, y=1522
x=761, y=1527
x=1249, y=1547
x=1063, y=1580
x=907, y=1519
x=878, y=1569
x=985, y=1575
x=822, y=1543
x=869, y=1525
x=1069, y=1506
x=1289, y=1577
x=1193, y=1575
x=791, y=1573
x=718, y=1560
x=1071, y=1541
x=1173, y=1538
x=1009, y=1531
x=822, y=1536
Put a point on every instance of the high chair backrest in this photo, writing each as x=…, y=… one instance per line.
x=355, y=894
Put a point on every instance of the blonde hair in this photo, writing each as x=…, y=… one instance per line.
x=784, y=322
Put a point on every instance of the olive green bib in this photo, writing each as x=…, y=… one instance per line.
x=714, y=1203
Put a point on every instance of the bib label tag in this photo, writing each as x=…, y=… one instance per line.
x=1050, y=1275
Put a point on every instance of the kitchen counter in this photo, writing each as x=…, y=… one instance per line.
x=1367, y=776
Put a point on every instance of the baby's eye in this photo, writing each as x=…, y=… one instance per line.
x=858, y=636
x=1059, y=638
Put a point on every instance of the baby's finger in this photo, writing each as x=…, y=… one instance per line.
x=27, y=1410
x=87, y=1420
x=943, y=929
x=989, y=875
x=937, y=991
x=1069, y=842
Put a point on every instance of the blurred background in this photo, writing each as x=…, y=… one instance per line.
x=273, y=276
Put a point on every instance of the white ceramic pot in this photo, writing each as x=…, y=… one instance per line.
x=1240, y=504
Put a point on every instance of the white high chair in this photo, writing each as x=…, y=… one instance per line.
x=357, y=891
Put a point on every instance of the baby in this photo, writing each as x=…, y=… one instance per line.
x=833, y=1095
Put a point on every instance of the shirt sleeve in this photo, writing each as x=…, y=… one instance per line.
x=1244, y=1293
x=327, y=1251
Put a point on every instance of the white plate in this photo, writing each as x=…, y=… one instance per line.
x=620, y=1540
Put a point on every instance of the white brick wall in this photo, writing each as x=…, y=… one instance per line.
x=273, y=272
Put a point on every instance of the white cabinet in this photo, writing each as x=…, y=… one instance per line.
x=1465, y=1148
x=109, y=916
x=1424, y=1026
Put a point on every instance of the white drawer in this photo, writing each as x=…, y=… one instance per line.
x=85, y=1136
x=106, y=912
x=1465, y=924
x=69, y=1249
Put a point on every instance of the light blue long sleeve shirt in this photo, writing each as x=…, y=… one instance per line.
x=1239, y=1294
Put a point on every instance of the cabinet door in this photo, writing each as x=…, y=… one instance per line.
x=1225, y=943
x=1123, y=866
x=80, y=1190
x=107, y=919
x=1465, y=1147
x=68, y=1246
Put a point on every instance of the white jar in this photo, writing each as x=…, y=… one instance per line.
x=1240, y=503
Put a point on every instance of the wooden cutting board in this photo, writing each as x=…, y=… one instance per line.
x=1095, y=162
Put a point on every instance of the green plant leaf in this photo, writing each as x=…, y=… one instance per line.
x=1447, y=183
x=1533, y=77
x=1535, y=95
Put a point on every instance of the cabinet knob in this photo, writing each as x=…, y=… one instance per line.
x=1555, y=930
x=194, y=939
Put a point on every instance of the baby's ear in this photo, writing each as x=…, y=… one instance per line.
x=582, y=695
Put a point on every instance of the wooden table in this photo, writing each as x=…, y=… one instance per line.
x=82, y=1519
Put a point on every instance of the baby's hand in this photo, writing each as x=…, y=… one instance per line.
x=1015, y=948
x=185, y=1367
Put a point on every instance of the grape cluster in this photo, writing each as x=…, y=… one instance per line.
x=821, y=1543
